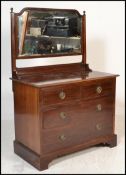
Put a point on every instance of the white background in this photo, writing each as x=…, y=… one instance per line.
x=105, y=44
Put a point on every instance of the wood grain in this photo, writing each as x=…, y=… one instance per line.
x=52, y=95
x=27, y=125
x=75, y=114
x=81, y=125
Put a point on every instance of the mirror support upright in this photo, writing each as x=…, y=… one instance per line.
x=13, y=44
x=83, y=43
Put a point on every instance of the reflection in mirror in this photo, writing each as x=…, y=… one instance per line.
x=49, y=32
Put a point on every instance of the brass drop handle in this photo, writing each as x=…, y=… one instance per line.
x=98, y=126
x=63, y=115
x=62, y=95
x=99, y=89
x=99, y=107
x=62, y=137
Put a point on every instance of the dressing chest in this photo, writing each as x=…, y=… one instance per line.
x=58, y=109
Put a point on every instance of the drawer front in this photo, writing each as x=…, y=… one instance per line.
x=59, y=94
x=61, y=115
x=92, y=119
x=98, y=88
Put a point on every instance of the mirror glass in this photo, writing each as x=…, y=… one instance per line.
x=49, y=33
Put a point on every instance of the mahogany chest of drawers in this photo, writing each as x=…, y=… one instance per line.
x=58, y=109
x=60, y=117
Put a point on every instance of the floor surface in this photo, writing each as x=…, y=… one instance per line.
x=95, y=160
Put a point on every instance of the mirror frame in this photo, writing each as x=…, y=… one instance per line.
x=16, y=15
x=14, y=39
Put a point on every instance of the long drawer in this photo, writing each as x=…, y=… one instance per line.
x=87, y=120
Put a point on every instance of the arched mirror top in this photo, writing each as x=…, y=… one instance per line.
x=46, y=9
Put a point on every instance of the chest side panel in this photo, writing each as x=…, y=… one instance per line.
x=27, y=130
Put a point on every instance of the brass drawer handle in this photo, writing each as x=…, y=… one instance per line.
x=63, y=115
x=99, y=89
x=99, y=107
x=98, y=127
x=62, y=95
x=62, y=137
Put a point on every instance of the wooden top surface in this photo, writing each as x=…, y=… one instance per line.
x=44, y=80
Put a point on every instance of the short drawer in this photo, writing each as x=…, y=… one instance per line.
x=92, y=119
x=60, y=94
x=98, y=88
